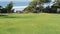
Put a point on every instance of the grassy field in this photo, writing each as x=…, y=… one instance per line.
x=30, y=24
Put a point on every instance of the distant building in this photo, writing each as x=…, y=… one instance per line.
x=18, y=11
x=52, y=9
x=56, y=8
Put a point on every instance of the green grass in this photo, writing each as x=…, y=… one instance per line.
x=30, y=24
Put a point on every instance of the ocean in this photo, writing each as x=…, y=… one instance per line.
x=16, y=5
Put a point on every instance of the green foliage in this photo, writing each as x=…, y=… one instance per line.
x=34, y=3
x=9, y=7
x=43, y=1
x=57, y=3
x=28, y=9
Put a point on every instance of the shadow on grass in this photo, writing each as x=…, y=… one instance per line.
x=7, y=16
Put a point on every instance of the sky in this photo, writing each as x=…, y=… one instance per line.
x=17, y=7
x=15, y=0
x=53, y=0
x=18, y=0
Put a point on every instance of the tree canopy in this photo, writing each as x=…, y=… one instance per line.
x=57, y=3
x=9, y=7
x=34, y=3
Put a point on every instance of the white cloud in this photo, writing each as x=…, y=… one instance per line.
x=53, y=0
x=15, y=0
x=19, y=8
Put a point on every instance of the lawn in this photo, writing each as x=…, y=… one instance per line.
x=30, y=23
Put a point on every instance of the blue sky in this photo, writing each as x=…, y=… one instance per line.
x=18, y=6
x=15, y=0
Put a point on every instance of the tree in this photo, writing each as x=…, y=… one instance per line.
x=33, y=5
x=35, y=2
x=57, y=3
x=9, y=7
